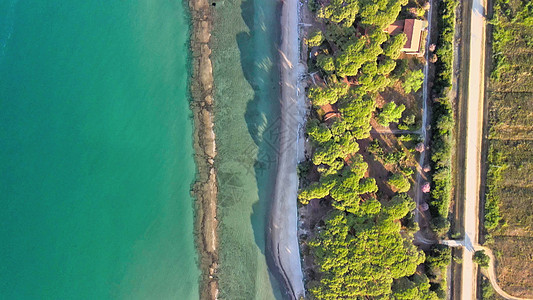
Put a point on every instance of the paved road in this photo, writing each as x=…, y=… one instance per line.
x=473, y=155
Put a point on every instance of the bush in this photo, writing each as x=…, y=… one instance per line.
x=408, y=171
x=481, y=258
x=409, y=120
x=493, y=217
x=375, y=148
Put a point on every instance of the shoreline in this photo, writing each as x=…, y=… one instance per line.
x=205, y=187
x=283, y=220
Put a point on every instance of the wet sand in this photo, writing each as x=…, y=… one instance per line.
x=205, y=187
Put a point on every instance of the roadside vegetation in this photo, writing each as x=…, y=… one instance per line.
x=358, y=183
x=442, y=127
x=509, y=191
x=487, y=291
x=481, y=259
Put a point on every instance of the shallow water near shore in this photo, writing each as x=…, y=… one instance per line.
x=245, y=40
x=95, y=151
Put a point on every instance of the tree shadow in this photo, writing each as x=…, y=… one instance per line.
x=258, y=50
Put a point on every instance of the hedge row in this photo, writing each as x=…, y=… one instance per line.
x=443, y=119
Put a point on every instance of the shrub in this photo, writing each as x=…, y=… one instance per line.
x=481, y=258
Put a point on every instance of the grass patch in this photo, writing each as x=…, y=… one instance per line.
x=509, y=192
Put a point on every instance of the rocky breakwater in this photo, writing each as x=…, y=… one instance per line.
x=205, y=187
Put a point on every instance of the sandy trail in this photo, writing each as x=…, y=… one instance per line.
x=474, y=126
x=491, y=274
x=283, y=227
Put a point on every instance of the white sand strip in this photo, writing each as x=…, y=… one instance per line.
x=284, y=217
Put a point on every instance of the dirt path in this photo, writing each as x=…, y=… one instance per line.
x=425, y=121
x=394, y=131
x=283, y=227
x=490, y=272
x=473, y=146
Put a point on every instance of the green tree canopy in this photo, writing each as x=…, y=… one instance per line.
x=386, y=66
x=416, y=289
x=360, y=258
x=393, y=47
x=318, y=132
x=340, y=11
x=328, y=152
x=358, y=52
x=316, y=190
x=370, y=207
x=390, y=113
x=481, y=259
x=356, y=112
x=399, y=182
x=413, y=81
x=339, y=36
x=399, y=206
x=350, y=185
x=315, y=38
x=327, y=95
x=439, y=256
x=326, y=63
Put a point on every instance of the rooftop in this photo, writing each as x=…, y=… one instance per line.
x=413, y=30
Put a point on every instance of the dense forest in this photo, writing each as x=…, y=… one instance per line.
x=363, y=246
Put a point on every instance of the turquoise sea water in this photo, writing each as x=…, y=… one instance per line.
x=245, y=58
x=95, y=151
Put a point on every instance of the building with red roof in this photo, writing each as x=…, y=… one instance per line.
x=413, y=29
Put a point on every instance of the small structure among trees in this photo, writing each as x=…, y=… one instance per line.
x=413, y=29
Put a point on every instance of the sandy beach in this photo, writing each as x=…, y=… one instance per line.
x=205, y=187
x=283, y=227
x=283, y=220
